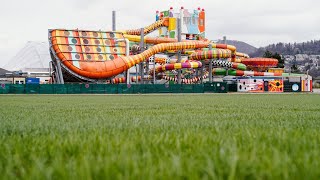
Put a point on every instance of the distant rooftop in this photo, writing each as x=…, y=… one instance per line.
x=3, y=71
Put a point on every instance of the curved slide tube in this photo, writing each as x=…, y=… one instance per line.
x=217, y=54
x=220, y=63
x=165, y=23
x=243, y=55
x=224, y=46
x=133, y=78
x=228, y=64
x=176, y=66
x=211, y=54
x=168, y=78
x=163, y=61
x=233, y=49
x=184, y=80
x=158, y=40
x=198, y=64
x=149, y=29
x=220, y=71
x=160, y=60
x=222, y=52
x=238, y=60
x=119, y=80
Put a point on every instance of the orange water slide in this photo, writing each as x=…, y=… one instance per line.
x=100, y=69
x=260, y=64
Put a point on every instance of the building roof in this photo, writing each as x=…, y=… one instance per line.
x=3, y=71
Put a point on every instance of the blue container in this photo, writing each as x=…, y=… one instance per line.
x=32, y=80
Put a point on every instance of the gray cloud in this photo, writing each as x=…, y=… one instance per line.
x=257, y=22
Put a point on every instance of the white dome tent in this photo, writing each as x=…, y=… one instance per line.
x=33, y=61
x=32, y=55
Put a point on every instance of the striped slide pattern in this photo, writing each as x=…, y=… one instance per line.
x=211, y=54
x=176, y=66
x=228, y=64
x=168, y=78
x=136, y=59
x=119, y=80
x=133, y=78
x=184, y=80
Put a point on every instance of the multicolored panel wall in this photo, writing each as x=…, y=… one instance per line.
x=306, y=85
x=275, y=85
x=250, y=85
x=193, y=23
x=298, y=84
x=259, y=84
x=292, y=86
x=88, y=46
x=169, y=31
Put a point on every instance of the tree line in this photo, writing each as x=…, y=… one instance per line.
x=310, y=48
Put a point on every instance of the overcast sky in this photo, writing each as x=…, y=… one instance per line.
x=257, y=22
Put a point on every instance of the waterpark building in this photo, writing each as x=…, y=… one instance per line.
x=179, y=54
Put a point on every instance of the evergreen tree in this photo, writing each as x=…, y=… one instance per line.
x=294, y=69
x=268, y=54
x=277, y=56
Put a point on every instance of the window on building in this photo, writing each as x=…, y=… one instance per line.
x=19, y=82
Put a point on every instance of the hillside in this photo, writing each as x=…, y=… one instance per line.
x=310, y=48
x=304, y=56
x=241, y=46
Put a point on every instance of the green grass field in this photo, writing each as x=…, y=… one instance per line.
x=205, y=136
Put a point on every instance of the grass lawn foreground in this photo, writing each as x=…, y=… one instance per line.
x=193, y=136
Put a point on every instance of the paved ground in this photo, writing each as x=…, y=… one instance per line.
x=317, y=91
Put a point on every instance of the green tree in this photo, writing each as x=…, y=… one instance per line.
x=267, y=54
x=280, y=60
x=294, y=68
x=277, y=56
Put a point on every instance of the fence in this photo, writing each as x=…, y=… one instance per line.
x=109, y=88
